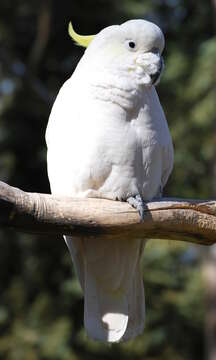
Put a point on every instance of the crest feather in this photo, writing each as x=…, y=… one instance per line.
x=81, y=40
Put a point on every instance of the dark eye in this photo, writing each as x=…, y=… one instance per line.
x=132, y=44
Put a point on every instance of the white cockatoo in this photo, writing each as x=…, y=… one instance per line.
x=108, y=137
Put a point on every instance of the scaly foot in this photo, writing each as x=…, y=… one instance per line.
x=138, y=203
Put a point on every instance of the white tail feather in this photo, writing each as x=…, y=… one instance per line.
x=109, y=273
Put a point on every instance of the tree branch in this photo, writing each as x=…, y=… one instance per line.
x=174, y=219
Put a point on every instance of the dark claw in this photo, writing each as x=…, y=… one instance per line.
x=138, y=203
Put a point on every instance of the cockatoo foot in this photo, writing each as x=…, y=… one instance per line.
x=138, y=203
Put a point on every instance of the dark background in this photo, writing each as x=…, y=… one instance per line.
x=41, y=304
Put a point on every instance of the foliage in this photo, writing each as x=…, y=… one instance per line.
x=41, y=306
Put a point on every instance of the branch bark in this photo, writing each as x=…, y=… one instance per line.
x=174, y=219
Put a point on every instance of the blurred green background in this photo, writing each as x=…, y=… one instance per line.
x=41, y=304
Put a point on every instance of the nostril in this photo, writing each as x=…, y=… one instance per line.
x=155, y=50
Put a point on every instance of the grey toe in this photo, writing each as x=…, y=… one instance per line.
x=138, y=203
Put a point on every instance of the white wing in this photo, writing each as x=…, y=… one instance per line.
x=94, y=149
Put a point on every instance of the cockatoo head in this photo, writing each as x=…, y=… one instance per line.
x=133, y=48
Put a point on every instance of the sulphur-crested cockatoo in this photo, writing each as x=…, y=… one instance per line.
x=108, y=137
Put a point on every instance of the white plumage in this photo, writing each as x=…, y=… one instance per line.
x=108, y=137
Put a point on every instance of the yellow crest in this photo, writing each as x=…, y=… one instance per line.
x=81, y=40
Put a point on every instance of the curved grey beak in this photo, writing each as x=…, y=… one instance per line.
x=149, y=66
x=156, y=76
